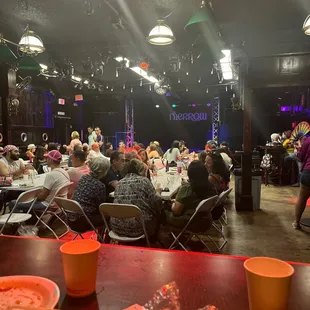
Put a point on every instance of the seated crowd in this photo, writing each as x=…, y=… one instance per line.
x=94, y=172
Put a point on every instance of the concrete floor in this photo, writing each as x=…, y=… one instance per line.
x=268, y=232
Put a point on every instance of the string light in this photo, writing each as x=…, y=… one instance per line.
x=164, y=72
x=131, y=90
x=107, y=87
x=157, y=106
x=116, y=73
x=187, y=89
x=212, y=71
x=179, y=81
x=141, y=82
x=150, y=87
x=207, y=91
x=112, y=89
x=187, y=73
x=231, y=86
x=124, y=86
x=199, y=80
x=226, y=88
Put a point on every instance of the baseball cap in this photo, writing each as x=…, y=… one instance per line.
x=54, y=155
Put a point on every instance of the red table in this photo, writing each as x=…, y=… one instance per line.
x=129, y=275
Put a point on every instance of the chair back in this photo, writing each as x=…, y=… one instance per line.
x=204, y=206
x=69, y=205
x=119, y=210
x=63, y=191
x=207, y=205
x=223, y=196
x=28, y=196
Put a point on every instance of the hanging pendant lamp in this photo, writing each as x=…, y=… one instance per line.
x=161, y=34
x=306, y=26
x=29, y=63
x=30, y=43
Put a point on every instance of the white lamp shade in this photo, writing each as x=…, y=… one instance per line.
x=306, y=26
x=161, y=34
x=30, y=43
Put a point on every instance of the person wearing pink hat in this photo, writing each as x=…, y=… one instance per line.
x=54, y=180
x=11, y=164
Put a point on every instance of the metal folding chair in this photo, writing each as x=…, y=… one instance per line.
x=12, y=218
x=61, y=191
x=217, y=224
x=123, y=211
x=70, y=207
x=204, y=206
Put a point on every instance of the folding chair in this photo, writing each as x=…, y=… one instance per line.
x=61, y=191
x=204, y=206
x=12, y=218
x=217, y=224
x=123, y=211
x=69, y=207
x=222, y=199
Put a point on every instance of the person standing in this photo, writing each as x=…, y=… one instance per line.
x=99, y=139
x=91, y=136
x=303, y=154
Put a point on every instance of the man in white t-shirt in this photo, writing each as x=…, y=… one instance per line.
x=54, y=180
x=91, y=136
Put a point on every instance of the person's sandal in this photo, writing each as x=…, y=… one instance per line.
x=296, y=225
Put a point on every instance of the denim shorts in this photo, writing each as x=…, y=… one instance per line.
x=305, y=178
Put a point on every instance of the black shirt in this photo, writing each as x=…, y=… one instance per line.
x=109, y=178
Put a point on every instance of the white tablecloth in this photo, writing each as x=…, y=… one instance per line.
x=17, y=185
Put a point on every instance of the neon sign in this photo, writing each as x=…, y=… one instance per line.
x=194, y=117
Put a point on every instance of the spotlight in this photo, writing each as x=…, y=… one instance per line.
x=212, y=71
x=207, y=91
x=116, y=73
x=107, y=87
x=131, y=90
x=164, y=73
x=179, y=81
x=112, y=89
x=86, y=82
x=187, y=73
x=231, y=86
x=157, y=106
x=226, y=88
x=124, y=86
x=187, y=89
x=141, y=82
x=150, y=87
x=199, y=80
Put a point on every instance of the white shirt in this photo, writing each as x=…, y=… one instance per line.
x=91, y=137
x=53, y=181
x=226, y=159
x=13, y=166
x=173, y=156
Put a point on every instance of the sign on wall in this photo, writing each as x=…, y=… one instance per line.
x=194, y=117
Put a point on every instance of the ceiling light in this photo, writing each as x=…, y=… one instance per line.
x=144, y=74
x=86, y=82
x=124, y=86
x=116, y=73
x=141, y=82
x=179, y=81
x=131, y=90
x=226, y=65
x=112, y=89
x=44, y=67
x=306, y=26
x=207, y=91
x=161, y=34
x=76, y=78
x=164, y=73
x=123, y=60
x=157, y=106
x=199, y=80
x=150, y=87
x=187, y=73
x=30, y=43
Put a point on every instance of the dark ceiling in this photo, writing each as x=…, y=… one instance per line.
x=70, y=29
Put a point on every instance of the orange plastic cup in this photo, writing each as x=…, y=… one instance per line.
x=80, y=259
x=269, y=282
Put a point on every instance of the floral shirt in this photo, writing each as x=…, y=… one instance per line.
x=89, y=193
x=139, y=191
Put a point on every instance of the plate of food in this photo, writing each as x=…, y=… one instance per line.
x=28, y=291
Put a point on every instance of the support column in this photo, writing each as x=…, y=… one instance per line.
x=129, y=122
x=215, y=118
x=246, y=199
x=7, y=92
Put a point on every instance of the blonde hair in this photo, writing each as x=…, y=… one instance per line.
x=75, y=135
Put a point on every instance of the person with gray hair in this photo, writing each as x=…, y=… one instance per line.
x=90, y=193
x=275, y=139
